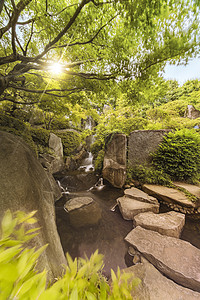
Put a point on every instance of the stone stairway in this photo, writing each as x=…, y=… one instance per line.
x=173, y=263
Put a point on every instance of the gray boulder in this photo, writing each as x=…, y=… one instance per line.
x=25, y=186
x=141, y=143
x=155, y=286
x=83, y=211
x=53, y=163
x=175, y=258
x=170, y=223
x=130, y=207
x=114, y=164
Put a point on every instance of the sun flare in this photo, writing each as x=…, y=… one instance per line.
x=56, y=68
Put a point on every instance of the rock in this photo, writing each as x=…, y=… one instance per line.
x=55, y=144
x=25, y=186
x=140, y=195
x=169, y=195
x=170, y=223
x=191, y=188
x=130, y=207
x=141, y=143
x=155, y=286
x=51, y=163
x=114, y=164
x=191, y=112
x=175, y=258
x=83, y=211
x=57, y=193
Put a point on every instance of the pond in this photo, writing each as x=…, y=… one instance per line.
x=108, y=236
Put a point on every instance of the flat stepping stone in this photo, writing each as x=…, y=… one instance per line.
x=130, y=207
x=139, y=195
x=175, y=258
x=191, y=188
x=83, y=211
x=155, y=286
x=169, y=195
x=170, y=223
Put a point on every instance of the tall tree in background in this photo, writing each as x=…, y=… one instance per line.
x=94, y=41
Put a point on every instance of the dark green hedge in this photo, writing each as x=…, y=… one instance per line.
x=179, y=155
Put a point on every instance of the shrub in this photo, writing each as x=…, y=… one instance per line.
x=83, y=278
x=179, y=155
x=61, y=123
x=148, y=175
x=70, y=140
x=40, y=136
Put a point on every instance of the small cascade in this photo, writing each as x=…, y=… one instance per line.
x=98, y=185
x=63, y=190
x=87, y=163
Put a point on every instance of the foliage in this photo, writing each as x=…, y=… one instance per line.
x=40, y=136
x=94, y=41
x=179, y=155
x=71, y=140
x=149, y=175
x=83, y=279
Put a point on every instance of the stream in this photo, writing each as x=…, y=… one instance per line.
x=108, y=236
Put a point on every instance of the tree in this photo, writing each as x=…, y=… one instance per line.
x=94, y=41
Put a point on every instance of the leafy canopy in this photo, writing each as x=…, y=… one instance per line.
x=94, y=41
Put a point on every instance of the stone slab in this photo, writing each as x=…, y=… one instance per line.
x=77, y=203
x=140, y=195
x=169, y=195
x=175, y=258
x=130, y=207
x=170, y=223
x=191, y=188
x=155, y=286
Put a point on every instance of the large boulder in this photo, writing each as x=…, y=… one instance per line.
x=114, y=164
x=155, y=286
x=83, y=211
x=130, y=207
x=170, y=223
x=175, y=258
x=141, y=143
x=53, y=163
x=24, y=185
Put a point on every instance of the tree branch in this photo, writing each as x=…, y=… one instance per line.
x=89, y=41
x=65, y=29
x=15, y=15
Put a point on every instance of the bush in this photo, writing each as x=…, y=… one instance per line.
x=83, y=278
x=61, y=123
x=40, y=136
x=179, y=155
x=148, y=175
x=70, y=140
x=7, y=121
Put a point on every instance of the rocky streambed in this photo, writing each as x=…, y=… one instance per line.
x=138, y=231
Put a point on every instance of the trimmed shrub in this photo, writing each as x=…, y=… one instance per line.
x=179, y=155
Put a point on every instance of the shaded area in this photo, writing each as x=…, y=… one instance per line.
x=107, y=237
